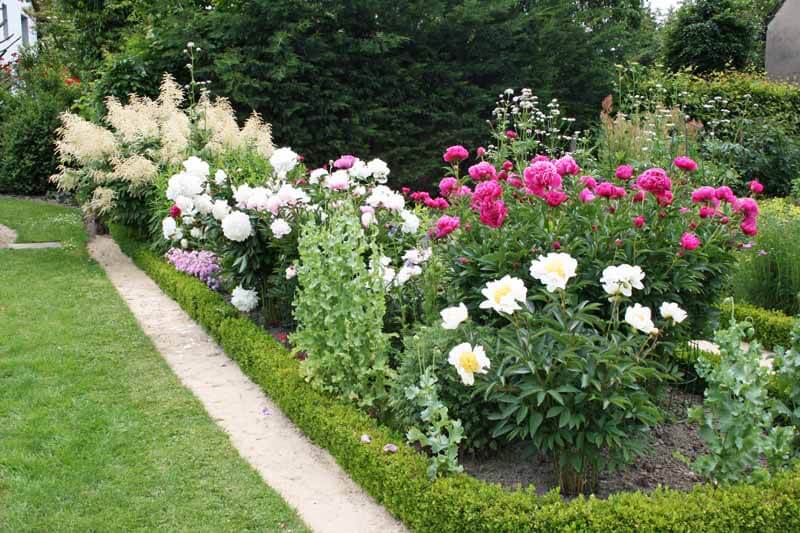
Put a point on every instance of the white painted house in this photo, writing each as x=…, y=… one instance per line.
x=16, y=28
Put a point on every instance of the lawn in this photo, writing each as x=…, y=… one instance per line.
x=96, y=433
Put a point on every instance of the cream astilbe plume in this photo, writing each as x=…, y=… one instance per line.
x=102, y=202
x=136, y=170
x=218, y=119
x=258, y=134
x=100, y=176
x=170, y=97
x=135, y=121
x=175, y=131
x=66, y=180
x=80, y=140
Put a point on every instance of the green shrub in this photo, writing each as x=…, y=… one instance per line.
x=457, y=503
x=768, y=274
x=772, y=328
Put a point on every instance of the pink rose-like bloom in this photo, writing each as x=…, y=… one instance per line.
x=345, y=162
x=446, y=225
x=420, y=196
x=566, y=166
x=511, y=134
x=609, y=190
x=654, y=181
x=482, y=171
x=589, y=181
x=514, y=181
x=704, y=194
x=725, y=194
x=493, y=214
x=690, y=241
x=638, y=221
x=586, y=196
x=555, y=198
x=756, y=187
x=481, y=151
x=707, y=211
x=624, y=172
x=455, y=154
x=685, y=163
x=664, y=199
x=541, y=177
x=463, y=191
x=540, y=157
x=556, y=245
x=436, y=203
x=749, y=227
x=448, y=186
x=748, y=207
x=405, y=190
x=487, y=191
x=507, y=165
x=175, y=211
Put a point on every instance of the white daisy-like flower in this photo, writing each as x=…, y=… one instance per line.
x=504, y=294
x=554, y=270
x=236, y=226
x=453, y=316
x=469, y=361
x=640, y=317
x=672, y=311
x=621, y=280
x=244, y=300
x=280, y=228
x=283, y=160
x=196, y=233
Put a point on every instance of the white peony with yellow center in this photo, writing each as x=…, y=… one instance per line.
x=469, y=361
x=672, y=311
x=554, y=270
x=502, y=295
x=640, y=317
x=453, y=316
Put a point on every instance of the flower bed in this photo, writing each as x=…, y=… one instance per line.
x=458, y=502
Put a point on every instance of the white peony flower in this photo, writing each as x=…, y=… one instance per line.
x=367, y=217
x=316, y=175
x=184, y=184
x=640, y=318
x=291, y=272
x=169, y=227
x=196, y=233
x=502, y=295
x=236, y=226
x=283, y=160
x=203, y=204
x=379, y=169
x=621, y=280
x=672, y=311
x=383, y=196
x=406, y=273
x=453, y=316
x=244, y=300
x=360, y=170
x=410, y=222
x=242, y=194
x=185, y=204
x=259, y=199
x=220, y=177
x=469, y=361
x=359, y=191
x=280, y=228
x=554, y=270
x=220, y=209
x=338, y=181
x=416, y=256
x=196, y=167
x=290, y=195
x=184, y=244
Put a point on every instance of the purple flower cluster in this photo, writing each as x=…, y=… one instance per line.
x=200, y=264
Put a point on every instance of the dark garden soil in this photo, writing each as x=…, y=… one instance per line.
x=658, y=467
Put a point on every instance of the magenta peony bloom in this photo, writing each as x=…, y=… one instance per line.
x=507, y=165
x=511, y=134
x=690, y=241
x=487, y=191
x=436, y=203
x=707, y=211
x=566, y=166
x=514, y=181
x=482, y=171
x=639, y=196
x=654, y=181
x=446, y=225
x=748, y=207
x=756, y=187
x=541, y=177
x=345, y=162
x=725, y=194
x=624, y=172
x=175, y=211
x=556, y=245
x=448, y=186
x=555, y=198
x=685, y=163
x=610, y=191
x=456, y=153
x=540, y=157
x=589, y=181
x=493, y=214
x=420, y=196
x=748, y=227
x=638, y=221
x=586, y=195
x=704, y=194
x=463, y=191
x=664, y=199
x=481, y=151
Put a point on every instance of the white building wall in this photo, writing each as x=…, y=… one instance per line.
x=14, y=25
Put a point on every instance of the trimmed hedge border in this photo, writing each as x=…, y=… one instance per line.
x=456, y=503
x=772, y=328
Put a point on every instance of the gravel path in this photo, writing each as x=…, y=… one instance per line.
x=7, y=236
x=305, y=475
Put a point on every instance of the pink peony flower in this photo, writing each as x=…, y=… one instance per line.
x=586, y=196
x=511, y=134
x=725, y=194
x=690, y=241
x=748, y=227
x=482, y=171
x=175, y=211
x=493, y=214
x=541, y=177
x=464, y=191
x=624, y=172
x=589, y=181
x=514, y=181
x=405, y=190
x=481, y=151
x=639, y=196
x=704, y=194
x=507, y=165
x=664, y=199
x=685, y=163
x=654, y=181
x=556, y=245
x=540, y=157
x=437, y=203
x=420, y=196
x=566, y=166
x=448, y=186
x=638, y=221
x=748, y=207
x=456, y=153
x=707, y=211
x=555, y=198
x=344, y=162
x=487, y=191
x=756, y=187
x=610, y=191
x=446, y=225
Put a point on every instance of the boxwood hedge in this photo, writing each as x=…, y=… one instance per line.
x=772, y=328
x=460, y=502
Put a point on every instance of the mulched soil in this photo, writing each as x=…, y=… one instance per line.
x=658, y=467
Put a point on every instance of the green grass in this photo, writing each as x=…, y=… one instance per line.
x=96, y=433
